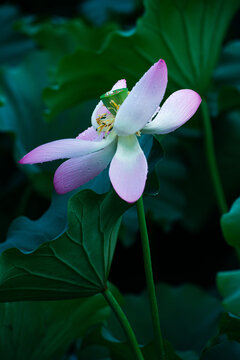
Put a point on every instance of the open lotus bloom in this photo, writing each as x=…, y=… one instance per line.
x=117, y=121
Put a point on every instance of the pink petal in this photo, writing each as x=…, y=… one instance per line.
x=78, y=171
x=120, y=84
x=100, y=108
x=143, y=100
x=128, y=169
x=65, y=148
x=90, y=134
x=177, y=109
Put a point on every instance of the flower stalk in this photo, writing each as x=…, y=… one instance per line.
x=159, y=343
x=124, y=323
x=211, y=158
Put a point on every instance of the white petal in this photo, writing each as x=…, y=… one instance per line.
x=177, y=109
x=143, y=100
x=120, y=84
x=90, y=134
x=128, y=169
x=99, y=110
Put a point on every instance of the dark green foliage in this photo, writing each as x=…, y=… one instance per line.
x=230, y=223
x=74, y=265
x=34, y=330
x=185, y=307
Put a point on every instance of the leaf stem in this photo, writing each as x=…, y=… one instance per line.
x=124, y=323
x=149, y=279
x=211, y=158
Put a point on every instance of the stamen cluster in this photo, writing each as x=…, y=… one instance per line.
x=105, y=122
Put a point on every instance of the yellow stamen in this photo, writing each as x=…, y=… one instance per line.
x=100, y=117
x=105, y=122
x=115, y=106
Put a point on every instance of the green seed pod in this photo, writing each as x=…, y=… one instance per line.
x=113, y=99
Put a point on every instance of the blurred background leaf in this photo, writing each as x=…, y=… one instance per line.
x=185, y=307
x=225, y=350
x=225, y=93
x=101, y=12
x=34, y=330
x=14, y=46
x=228, y=286
x=230, y=325
x=230, y=223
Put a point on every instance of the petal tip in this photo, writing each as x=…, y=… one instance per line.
x=161, y=67
x=161, y=63
x=197, y=98
x=25, y=160
x=122, y=83
x=132, y=201
x=127, y=197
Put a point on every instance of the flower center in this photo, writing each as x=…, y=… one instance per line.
x=105, y=122
x=112, y=100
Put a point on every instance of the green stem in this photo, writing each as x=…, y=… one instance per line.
x=124, y=323
x=149, y=279
x=211, y=158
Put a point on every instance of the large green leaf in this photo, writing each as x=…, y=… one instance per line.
x=186, y=37
x=183, y=33
x=230, y=223
x=230, y=325
x=74, y=265
x=229, y=287
x=44, y=330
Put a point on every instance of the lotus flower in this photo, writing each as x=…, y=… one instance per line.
x=117, y=121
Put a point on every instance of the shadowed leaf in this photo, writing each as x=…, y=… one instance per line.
x=74, y=265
